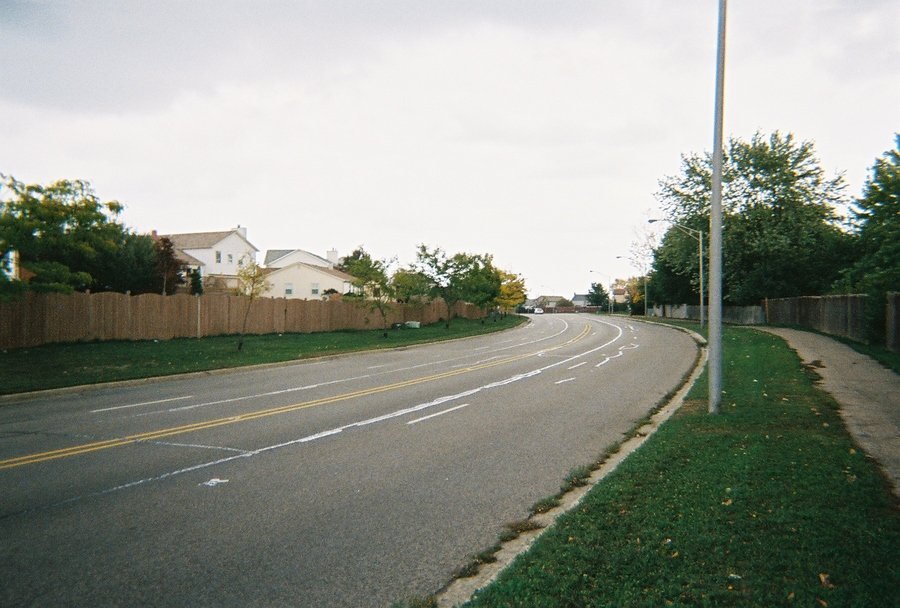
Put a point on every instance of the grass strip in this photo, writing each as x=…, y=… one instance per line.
x=769, y=503
x=80, y=363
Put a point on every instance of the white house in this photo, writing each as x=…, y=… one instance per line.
x=307, y=281
x=216, y=254
x=279, y=258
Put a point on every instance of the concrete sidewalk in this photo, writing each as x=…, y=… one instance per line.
x=868, y=393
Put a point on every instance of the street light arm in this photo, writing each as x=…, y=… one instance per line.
x=691, y=232
x=697, y=235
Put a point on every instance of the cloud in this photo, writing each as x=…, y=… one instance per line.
x=535, y=131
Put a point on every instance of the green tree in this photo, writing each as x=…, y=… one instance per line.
x=877, y=219
x=133, y=268
x=410, y=286
x=63, y=233
x=196, y=281
x=370, y=276
x=252, y=283
x=170, y=269
x=597, y=296
x=477, y=281
x=461, y=277
x=782, y=235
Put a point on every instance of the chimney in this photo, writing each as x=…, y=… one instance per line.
x=242, y=230
x=332, y=256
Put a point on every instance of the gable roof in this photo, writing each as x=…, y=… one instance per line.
x=203, y=240
x=273, y=255
x=187, y=258
x=343, y=276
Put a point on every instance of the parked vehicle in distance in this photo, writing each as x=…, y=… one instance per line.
x=538, y=311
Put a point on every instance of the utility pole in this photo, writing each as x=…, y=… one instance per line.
x=715, y=229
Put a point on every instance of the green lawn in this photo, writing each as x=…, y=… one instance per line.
x=60, y=365
x=767, y=504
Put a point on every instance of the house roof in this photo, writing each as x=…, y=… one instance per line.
x=335, y=273
x=273, y=255
x=202, y=240
x=187, y=258
x=343, y=276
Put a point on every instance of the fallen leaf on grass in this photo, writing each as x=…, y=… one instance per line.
x=727, y=502
x=822, y=602
x=825, y=579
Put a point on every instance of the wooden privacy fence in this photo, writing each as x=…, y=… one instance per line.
x=836, y=315
x=734, y=315
x=37, y=319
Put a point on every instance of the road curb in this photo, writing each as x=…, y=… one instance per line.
x=461, y=590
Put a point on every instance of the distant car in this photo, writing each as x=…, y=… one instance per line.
x=538, y=311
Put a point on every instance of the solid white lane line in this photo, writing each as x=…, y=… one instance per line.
x=563, y=381
x=578, y=364
x=447, y=411
x=341, y=429
x=122, y=407
x=200, y=446
x=318, y=385
x=246, y=397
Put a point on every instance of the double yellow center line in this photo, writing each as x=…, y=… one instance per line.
x=208, y=424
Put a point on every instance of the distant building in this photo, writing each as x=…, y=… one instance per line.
x=301, y=281
x=580, y=299
x=215, y=254
x=544, y=302
x=279, y=258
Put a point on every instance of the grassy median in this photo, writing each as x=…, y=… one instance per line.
x=769, y=503
x=74, y=364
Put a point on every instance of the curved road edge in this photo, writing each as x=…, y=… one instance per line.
x=460, y=590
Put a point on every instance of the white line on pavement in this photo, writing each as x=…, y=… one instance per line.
x=447, y=411
x=122, y=407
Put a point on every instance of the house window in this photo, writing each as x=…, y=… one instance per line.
x=288, y=289
x=218, y=257
x=315, y=289
x=230, y=259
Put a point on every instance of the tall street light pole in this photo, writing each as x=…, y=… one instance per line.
x=697, y=235
x=715, y=228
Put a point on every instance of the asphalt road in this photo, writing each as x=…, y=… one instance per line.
x=351, y=481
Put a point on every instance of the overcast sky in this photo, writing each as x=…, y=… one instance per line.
x=532, y=130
